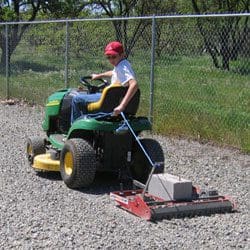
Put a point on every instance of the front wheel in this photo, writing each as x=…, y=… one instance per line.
x=140, y=167
x=78, y=163
x=34, y=146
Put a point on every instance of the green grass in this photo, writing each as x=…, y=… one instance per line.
x=194, y=99
x=191, y=99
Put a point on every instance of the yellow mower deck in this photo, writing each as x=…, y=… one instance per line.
x=44, y=162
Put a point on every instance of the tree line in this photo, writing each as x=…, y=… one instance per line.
x=224, y=39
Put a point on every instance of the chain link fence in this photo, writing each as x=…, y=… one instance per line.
x=193, y=71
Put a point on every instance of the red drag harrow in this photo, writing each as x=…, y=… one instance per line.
x=153, y=208
x=166, y=196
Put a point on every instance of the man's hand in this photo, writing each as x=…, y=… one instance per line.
x=95, y=76
x=118, y=110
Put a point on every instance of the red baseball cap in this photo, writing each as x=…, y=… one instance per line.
x=114, y=48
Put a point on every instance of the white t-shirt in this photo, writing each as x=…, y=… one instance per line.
x=122, y=73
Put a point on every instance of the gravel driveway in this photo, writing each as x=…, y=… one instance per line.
x=39, y=212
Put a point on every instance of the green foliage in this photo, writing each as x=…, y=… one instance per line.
x=223, y=37
x=16, y=10
x=65, y=8
x=50, y=37
x=7, y=14
x=221, y=6
x=90, y=37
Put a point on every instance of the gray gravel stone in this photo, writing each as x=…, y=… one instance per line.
x=39, y=212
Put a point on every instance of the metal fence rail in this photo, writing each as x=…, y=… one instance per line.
x=193, y=70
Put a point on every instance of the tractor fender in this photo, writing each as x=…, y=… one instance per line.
x=138, y=124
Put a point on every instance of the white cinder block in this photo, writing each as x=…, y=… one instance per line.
x=170, y=187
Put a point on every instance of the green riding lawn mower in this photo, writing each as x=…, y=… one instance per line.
x=96, y=141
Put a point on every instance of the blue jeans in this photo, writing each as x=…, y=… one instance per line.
x=80, y=102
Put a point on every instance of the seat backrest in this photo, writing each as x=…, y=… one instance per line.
x=111, y=97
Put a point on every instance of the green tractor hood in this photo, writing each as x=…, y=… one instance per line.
x=52, y=107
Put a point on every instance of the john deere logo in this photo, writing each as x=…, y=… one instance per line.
x=53, y=103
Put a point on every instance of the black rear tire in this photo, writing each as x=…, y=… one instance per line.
x=78, y=163
x=140, y=167
x=34, y=146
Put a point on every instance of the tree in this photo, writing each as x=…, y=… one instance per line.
x=64, y=8
x=223, y=37
x=129, y=35
x=124, y=33
x=167, y=39
x=15, y=11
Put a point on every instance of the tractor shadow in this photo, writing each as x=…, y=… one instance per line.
x=53, y=176
x=106, y=183
x=103, y=183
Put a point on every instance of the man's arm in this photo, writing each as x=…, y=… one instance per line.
x=102, y=75
x=133, y=86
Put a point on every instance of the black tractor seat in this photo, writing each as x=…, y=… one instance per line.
x=110, y=98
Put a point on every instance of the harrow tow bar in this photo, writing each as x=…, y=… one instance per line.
x=154, y=165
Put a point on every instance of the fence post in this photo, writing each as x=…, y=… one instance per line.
x=7, y=61
x=152, y=70
x=66, y=83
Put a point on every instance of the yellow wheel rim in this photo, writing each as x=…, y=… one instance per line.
x=29, y=150
x=68, y=163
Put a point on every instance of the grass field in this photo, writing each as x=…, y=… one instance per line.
x=191, y=97
x=204, y=102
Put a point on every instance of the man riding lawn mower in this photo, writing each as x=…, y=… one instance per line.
x=96, y=141
x=86, y=133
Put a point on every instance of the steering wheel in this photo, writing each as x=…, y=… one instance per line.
x=85, y=81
